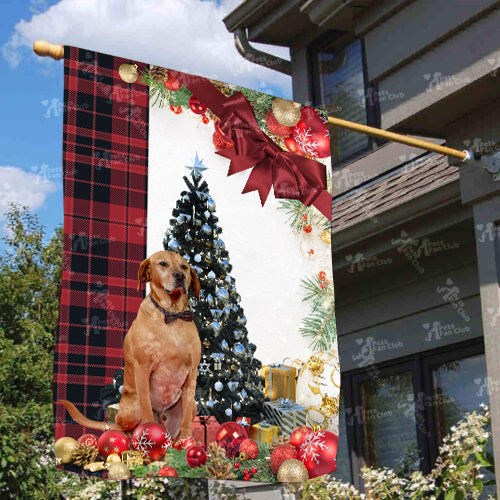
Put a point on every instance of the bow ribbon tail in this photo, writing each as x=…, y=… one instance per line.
x=261, y=180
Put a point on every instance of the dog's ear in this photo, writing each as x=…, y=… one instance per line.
x=144, y=274
x=195, y=284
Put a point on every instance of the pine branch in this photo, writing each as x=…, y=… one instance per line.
x=161, y=96
x=295, y=210
x=320, y=327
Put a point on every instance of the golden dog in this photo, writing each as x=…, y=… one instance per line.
x=161, y=350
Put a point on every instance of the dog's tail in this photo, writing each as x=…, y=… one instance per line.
x=86, y=422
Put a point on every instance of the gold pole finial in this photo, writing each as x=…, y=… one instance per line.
x=43, y=48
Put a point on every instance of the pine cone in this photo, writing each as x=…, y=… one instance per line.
x=215, y=451
x=278, y=441
x=158, y=74
x=222, y=87
x=84, y=455
x=220, y=469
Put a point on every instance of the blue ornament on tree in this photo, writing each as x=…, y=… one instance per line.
x=211, y=204
x=218, y=386
x=186, y=257
x=188, y=237
x=228, y=412
x=197, y=258
x=222, y=294
x=211, y=275
x=206, y=229
x=174, y=245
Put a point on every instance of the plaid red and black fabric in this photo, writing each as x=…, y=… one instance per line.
x=105, y=164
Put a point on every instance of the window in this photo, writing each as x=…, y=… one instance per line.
x=397, y=413
x=339, y=85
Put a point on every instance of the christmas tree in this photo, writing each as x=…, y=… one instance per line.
x=228, y=384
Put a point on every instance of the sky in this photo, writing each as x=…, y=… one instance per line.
x=186, y=35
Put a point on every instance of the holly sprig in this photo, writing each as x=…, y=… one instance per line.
x=297, y=212
x=161, y=96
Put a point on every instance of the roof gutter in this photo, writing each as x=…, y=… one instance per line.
x=257, y=56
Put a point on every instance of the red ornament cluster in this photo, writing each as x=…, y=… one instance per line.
x=250, y=447
x=112, y=442
x=168, y=471
x=318, y=452
x=89, y=440
x=281, y=453
x=172, y=83
x=152, y=439
x=196, y=456
x=230, y=436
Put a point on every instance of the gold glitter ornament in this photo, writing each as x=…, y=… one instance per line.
x=286, y=112
x=113, y=459
x=329, y=406
x=326, y=237
x=118, y=470
x=95, y=466
x=128, y=72
x=292, y=471
x=64, y=449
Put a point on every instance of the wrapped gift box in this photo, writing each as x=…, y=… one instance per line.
x=286, y=414
x=264, y=432
x=280, y=381
x=245, y=422
x=205, y=428
x=112, y=412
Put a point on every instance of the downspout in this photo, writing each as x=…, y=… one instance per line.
x=257, y=56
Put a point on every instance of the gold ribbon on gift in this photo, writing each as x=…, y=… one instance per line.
x=297, y=363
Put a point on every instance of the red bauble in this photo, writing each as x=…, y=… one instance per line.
x=230, y=436
x=250, y=447
x=153, y=439
x=298, y=435
x=281, y=453
x=220, y=140
x=171, y=83
x=89, y=440
x=322, y=275
x=205, y=119
x=196, y=106
x=184, y=442
x=319, y=453
x=292, y=146
x=311, y=134
x=168, y=471
x=307, y=228
x=112, y=442
x=275, y=126
x=176, y=109
x=196, y=456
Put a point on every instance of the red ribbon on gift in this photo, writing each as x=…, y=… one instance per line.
x=291, y=176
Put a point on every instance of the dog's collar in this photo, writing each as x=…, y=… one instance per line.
x=172, y=316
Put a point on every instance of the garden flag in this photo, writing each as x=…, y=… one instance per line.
x=196, y=326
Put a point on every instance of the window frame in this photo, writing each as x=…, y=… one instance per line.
x=420, y=364
x=338, y=39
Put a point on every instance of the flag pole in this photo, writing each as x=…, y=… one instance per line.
x=45, y=49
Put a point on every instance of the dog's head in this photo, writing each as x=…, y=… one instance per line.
x=169, y=272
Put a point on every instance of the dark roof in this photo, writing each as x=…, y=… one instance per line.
x=393, y=189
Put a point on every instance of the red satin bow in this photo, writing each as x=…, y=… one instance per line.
x=291, y=176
